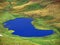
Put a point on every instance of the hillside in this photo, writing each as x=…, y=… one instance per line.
x=46, y=15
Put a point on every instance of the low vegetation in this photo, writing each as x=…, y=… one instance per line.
x=45, y=15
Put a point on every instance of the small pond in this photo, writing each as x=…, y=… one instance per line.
x=23, y=27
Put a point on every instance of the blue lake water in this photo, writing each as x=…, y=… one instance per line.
x=23, y=27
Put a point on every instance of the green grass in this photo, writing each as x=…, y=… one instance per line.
x=21, y=2
x=34, y=6
x=9, y=39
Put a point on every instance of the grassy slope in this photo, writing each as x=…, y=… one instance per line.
x=9, y=39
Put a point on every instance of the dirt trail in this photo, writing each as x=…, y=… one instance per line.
x=22, y=6
x=37, y=12
x=52, y=10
